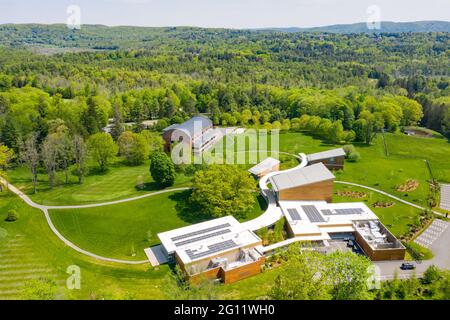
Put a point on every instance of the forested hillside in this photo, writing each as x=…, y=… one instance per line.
x=357, y=84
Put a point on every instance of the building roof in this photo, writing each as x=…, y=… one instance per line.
x=300, y=177
x=213, y=247
x=197, y=233
x=319, y=217
x=266, y=164
x=326, y=154
x=445, y=197
x=194, y=126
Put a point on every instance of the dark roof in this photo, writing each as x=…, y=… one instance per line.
x=194, y=123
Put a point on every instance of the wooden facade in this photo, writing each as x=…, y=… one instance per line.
x=380, y=254
x=334, y=163
x=226, y=276
x=311, y=192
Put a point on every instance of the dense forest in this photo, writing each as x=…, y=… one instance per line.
x=341, y=87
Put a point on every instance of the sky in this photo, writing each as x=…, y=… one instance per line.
x=224, y=13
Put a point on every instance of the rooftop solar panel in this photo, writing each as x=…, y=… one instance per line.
x=313, y=214
x=216, y=247
x=349, y=211
x=206, y=236
x=293, y=213
x=196, y=233
x=327, y=212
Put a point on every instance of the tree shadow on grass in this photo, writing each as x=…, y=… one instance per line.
x=187, y=211
x=148, y=186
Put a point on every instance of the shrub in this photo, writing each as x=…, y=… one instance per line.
x=162, y=169
x=348, y=149
x=354, y=157
x=12, y=216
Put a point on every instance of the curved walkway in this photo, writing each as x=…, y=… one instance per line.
x=273, y=212
x=45, y=209
x=268, y=218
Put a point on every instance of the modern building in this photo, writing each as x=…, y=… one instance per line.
x=216, y=249
x=313, y=182
x=332, y=159
x=322, y=221
x=197, y=133
x=264, y=167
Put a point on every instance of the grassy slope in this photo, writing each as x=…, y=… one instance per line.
x=39, y=247
x=117, y=183
x=116, y=231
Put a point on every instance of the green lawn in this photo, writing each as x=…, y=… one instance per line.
x=375, y=169
x=29, y=250
x=397, y=218
x=118, y=231
x=118, y=182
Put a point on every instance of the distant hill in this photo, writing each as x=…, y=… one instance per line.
x=386, y=27
x=54, y=37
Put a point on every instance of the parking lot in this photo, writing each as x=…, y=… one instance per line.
x=432, y=233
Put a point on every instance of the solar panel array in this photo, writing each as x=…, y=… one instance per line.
x=293, y=213
x=206, y=236
x=327, y=212
x=216, y=247
x=196, y=233
x=349, y=211
x=313, y=214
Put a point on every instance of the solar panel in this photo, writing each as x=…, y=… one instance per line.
x=206, y=236
x=349, y=211
x=313, y=214
x=327, y=212
x=293, y=213
x=216, y=247
x=196, y=233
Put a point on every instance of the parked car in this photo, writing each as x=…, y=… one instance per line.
x=407, y=266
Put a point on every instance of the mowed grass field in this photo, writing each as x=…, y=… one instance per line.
x=29, y=250
x=118, y=182
x=124, y=230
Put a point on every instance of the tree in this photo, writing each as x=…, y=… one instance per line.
x=30, y=155
x=336, y=132
x=50, y=155
x=176, y=287
x=6, y=156
x=223, y=190
x=133, y=147
x=348, y=274
x=79, y=154
x=117, y=126
x=102, y=149
x=162, y=169
x=154, y=140
x=302, y=277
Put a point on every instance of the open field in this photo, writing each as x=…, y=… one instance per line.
x=29, y=244
x=118, y=182
x=123, y=231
